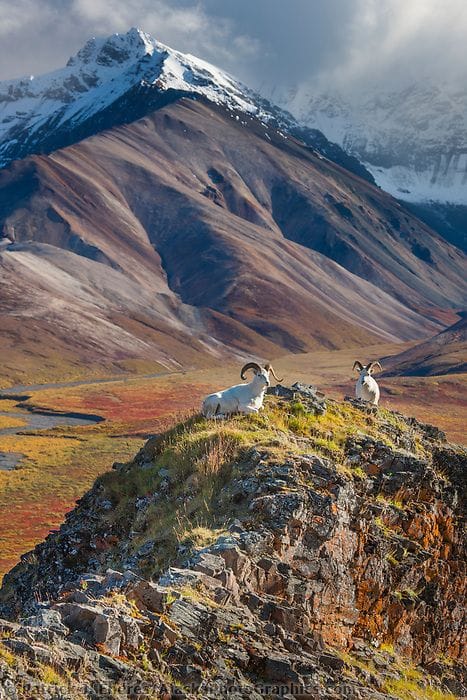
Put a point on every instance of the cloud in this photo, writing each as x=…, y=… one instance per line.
x=269, y=44
x=37, y=37
x=396, y=42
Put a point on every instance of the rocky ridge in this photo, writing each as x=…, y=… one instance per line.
x=302, y=552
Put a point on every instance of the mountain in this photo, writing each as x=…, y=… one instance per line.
x=445, y=353
x=197, y=230
x=282, y=555
x=116, y=80
x=188, y=233
x=412, y=140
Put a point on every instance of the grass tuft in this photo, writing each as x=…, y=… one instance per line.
x=7, y=656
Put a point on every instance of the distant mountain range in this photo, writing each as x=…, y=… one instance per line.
x=445, y=353
x=412, y=140
x=176, y=217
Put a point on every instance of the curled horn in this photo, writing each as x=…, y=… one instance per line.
x=372, y=365
x=357, y=365
x=270, y=368
x=249, y=365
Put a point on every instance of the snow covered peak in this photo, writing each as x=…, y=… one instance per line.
x=119, y=79
x=413, y=140
x=115, y=49
x=103, y=72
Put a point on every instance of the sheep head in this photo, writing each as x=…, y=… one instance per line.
x=259, y=371
x=250, y=365
x=368, y=369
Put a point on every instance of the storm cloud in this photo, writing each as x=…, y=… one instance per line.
x=269, y=44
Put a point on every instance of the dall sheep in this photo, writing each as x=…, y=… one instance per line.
x=366, y=387
x=241, y=398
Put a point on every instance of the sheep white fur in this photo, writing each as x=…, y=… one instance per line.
x=367, y=388
x=241, y=398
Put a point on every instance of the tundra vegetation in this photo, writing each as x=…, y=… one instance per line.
x=274, y=548
x=60, y=464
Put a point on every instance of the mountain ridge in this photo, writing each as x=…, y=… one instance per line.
x=118, y=79
x=189, y=203
x=445, y=353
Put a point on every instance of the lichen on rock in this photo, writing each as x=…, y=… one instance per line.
x=314, y=553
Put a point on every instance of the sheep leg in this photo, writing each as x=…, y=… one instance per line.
x=248, y=410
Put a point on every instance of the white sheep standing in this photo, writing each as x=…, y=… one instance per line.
x=366, y=387
x=241, y=398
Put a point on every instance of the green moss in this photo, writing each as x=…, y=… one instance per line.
x=49, y=675
x=409, y=685
x=407, y=594
x=7, y=656
x=408, y=689
x=384, y=529
x=392, y=559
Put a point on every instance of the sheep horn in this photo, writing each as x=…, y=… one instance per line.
x=270, y=368
x=357, y=365
x=372, y=365
x=249, y=365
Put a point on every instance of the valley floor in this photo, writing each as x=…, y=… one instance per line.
x=60, y=464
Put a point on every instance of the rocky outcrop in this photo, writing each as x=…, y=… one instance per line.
x=331, y=567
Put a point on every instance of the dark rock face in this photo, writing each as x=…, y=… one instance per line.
x=329, y=583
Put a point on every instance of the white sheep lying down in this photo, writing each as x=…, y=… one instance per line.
x=367, y=388
x=241, y=398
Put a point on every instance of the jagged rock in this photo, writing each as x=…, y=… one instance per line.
x=210, y=564
x=310, y=396
x=361, y=405
x=149, y=595
x=74, y=656
x=317, y=560
x=77, y=615
x=191, y=619
x=38, y=653
x=108, y=633
x=50, y=619
x=331, y=661
x=132, y=637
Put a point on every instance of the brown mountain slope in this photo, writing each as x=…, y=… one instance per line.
x=191, y=232
x=445, y=353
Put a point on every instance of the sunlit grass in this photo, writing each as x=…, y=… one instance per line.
x=410, y=684
x=7, y=656
x=10, y=421
x=49, y=675
x=7, y=406
x=57, y=470
x=200, y=457
x=407, y=689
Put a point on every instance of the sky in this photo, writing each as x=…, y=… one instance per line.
x=269, y=44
